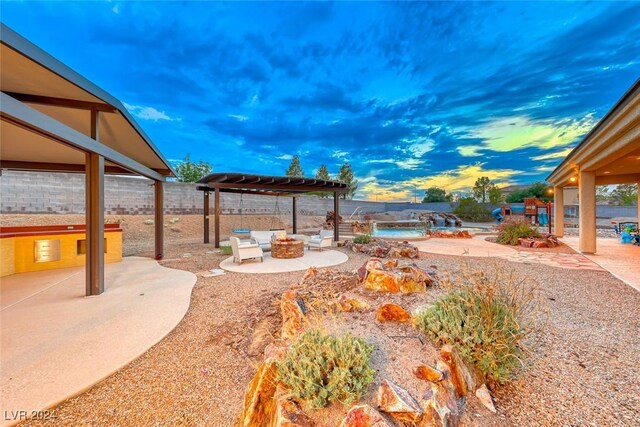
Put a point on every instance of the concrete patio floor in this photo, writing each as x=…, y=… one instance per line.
x=56, y=342
x=311, y=258
x=623, y=261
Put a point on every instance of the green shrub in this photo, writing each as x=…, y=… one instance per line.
x=363, y=239
x=226, y=250
x=320, y=369
x=486, y=317
x=469, y=209
x=510, y=231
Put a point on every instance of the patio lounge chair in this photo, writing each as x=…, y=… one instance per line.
x=263, y=238
x=322, y=240
x=242, y=251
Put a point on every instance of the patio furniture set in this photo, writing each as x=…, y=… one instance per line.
x=278, y=243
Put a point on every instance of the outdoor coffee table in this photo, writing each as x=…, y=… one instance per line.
x=287, y=248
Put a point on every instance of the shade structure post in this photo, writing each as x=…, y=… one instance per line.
x=295, y=215
x=587, y=207
x=94, y=175
x=159, y=219
x=558, y=211
x=216, y=218
x=205, y=212
x=336, y=217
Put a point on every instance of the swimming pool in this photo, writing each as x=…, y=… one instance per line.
x=416, y=232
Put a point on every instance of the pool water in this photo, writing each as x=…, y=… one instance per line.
x=402, y=233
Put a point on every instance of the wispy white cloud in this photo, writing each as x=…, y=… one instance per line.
x=285, y=157
x=149, y=113
x=238, y=117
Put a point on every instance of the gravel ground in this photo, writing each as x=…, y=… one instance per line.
x=583, y=371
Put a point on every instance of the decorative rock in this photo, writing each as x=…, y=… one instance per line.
x=414, y=279
x=293, y=312
x=441, y=408
x=260, y=338
x=398, y=403
x=407, y=279
x=461, y=378
x=427, y=373
x=380, y=280
x=259, y=404
x=288, y=414
x=383, y=249
x=393, y=313
x=482, y=393
x=364, y=416
x=351, y=304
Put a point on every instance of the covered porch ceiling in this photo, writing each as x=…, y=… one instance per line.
x=31, y=79
x=611, y=149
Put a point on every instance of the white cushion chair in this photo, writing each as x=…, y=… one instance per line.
x=322, y=240
x=242, y=251
x=263, y=238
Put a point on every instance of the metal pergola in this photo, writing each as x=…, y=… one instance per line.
x=262, y=185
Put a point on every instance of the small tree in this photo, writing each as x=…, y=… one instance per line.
x=481, y=189
x=295, y=170
x=537, y=189
x=189, y=171
x=495, y=195
x=346, y=176
x=625, y=195
x=322, y=173
x=469, y=209
x=435, y=194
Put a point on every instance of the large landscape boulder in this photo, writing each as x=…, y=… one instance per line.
x=378, y=276
x=364, y=416
x=293, y=312
x=382, y=249
x=440, y=407
x=428, y=373
x=463, y=378
x=289, y=414
x=259, y=404
x=398, y=402
x=392, y=313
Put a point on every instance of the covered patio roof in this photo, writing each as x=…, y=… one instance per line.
x=53, y=119
x=608, y=154
x=39, y=89
x=611, y=149
x=228, y=182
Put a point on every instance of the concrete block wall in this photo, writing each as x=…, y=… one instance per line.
x=42, y=192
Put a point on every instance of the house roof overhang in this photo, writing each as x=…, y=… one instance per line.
x=37, y=87
x=611, y=149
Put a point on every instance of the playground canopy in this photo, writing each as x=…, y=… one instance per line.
x=608, y=154
x=240, y=183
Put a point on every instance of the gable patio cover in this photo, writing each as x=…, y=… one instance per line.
x=53, y=119
x=265, y=186
x=608, y=154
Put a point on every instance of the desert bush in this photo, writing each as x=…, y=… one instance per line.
x=320, y=369
x=509, y=231
x=363, y=239
x=469, y=209
x=486, y=317
x=226, y=250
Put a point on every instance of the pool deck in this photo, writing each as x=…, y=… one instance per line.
x=57, y=343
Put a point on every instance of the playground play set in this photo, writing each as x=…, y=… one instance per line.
x=534, y=210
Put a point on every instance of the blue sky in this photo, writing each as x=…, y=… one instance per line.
x=411, y=94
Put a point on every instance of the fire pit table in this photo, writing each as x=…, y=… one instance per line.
x=287, y=248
